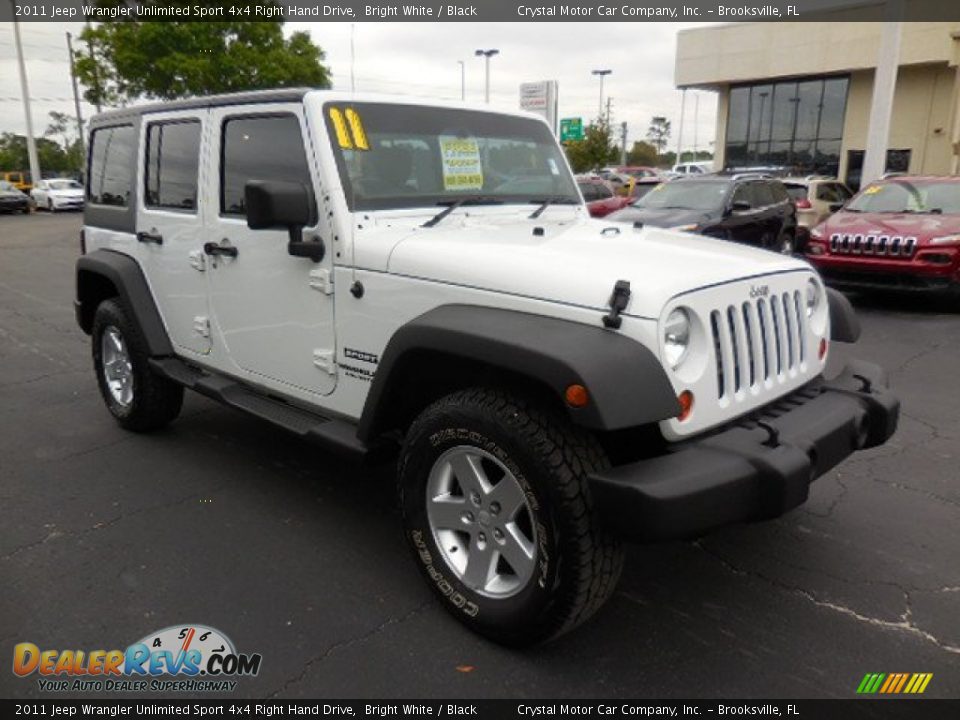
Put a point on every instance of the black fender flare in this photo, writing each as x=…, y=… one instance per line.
x=844, y=324
x=124, y=274
x=626, y=382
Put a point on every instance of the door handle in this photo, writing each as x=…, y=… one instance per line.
x=212, y=248
x=150, y=237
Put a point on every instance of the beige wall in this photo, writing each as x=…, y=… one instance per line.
x=926, y=112
x=741, y=52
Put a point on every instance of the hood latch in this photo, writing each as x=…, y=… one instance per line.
x=618, y=303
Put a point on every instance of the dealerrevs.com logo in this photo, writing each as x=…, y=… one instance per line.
x=180, y=658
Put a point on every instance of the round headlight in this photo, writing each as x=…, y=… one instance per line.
x=676, y=337
x=813, y=297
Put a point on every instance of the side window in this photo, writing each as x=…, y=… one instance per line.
x=172, y=157
x=780, y=193
x=827, y=193
x=603, y=192
x=743, y=194
x=259, y=148
x=588, y=192
x=843, y=194
x=108, y=177
x=761, y=194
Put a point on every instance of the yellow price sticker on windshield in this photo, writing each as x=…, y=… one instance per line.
x=873, y=190
x=349, y=129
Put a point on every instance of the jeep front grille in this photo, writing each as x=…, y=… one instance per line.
x=871, y=244
x=759, y=343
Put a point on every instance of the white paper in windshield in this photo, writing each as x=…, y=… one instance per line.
x=461, y=163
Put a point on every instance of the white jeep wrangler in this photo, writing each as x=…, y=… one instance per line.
x=373, y=273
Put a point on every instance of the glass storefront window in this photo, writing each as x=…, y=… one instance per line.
x=797, y=125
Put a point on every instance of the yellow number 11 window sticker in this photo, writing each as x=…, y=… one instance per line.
x=349, y=129
x=461, y=163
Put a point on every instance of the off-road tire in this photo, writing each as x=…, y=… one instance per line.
x=156, y=401
x=577, y=562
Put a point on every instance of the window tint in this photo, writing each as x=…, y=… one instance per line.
x=827, y=192
x=603, y=192
x=780, y=193
x=259, y=148
x=743, y=194
x=589, y=192
x=109, y=181
x=761, y=194
x=797, y=192
x=842, y=192
x=170, y=180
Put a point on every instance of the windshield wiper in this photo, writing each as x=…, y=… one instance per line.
x=558, y=200
x=454, y=204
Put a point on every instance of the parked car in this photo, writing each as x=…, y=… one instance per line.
x=58, y=194
x=12, y=200
x=600, y=198
x=638, y=187
x=816, y=197
x=617, y=181
x=19, y=179
x=347, y=267
x=693, y=168
x=749, y=209
x=899, y=233
x=638, y=171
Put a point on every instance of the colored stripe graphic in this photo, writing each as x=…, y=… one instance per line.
x=894, y=683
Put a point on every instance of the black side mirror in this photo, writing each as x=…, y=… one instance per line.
x=835, y=206
x=278, y=204
x=740, y=206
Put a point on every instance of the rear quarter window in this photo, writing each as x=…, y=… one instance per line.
x=109, y=175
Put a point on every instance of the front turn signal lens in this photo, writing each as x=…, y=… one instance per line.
x=576, y=396
x=686, y=405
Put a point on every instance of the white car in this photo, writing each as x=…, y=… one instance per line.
x=379, y=273
x=58, y=194
x=694, y=168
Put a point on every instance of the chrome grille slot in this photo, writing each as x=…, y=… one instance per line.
x=853, y=244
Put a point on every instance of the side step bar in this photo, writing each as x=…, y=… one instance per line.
x=337, y=434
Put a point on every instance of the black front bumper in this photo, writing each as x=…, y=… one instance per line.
x=756, y=470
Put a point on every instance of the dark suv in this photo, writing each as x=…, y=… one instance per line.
x=751, y=209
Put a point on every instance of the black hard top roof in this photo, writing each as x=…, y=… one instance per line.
x=209, y=101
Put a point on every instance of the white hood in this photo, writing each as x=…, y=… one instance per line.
x=66, y=193
x=577, y=262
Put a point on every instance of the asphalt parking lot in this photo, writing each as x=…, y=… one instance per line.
x=106, y=536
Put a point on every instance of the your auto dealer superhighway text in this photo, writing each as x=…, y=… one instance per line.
x=653, y=710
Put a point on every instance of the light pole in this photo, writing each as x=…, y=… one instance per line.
x=463, y=79
x=487, y=54
x=25, y=90
x=601, y=73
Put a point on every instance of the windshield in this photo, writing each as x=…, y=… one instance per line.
x=4, y=185
x=686, y=195
x=396, y=156
x=64, y=185
x=903, y=196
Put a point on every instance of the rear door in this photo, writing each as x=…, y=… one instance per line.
x=743, y=225
x=272, y=312
x=170, y=230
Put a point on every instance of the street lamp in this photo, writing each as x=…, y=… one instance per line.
x=463, y=79
x=601, y=73
x=487, y=54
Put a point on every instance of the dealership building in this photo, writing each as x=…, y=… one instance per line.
x=798, y=95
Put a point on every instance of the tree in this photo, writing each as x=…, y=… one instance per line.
x=594, y=150
x=642, y=153
x=167, y=60
x=59, y=126
x=659, y=133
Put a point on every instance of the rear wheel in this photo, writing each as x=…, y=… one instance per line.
x=495, y=505
x=137, y=398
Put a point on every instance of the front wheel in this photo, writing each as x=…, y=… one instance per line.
x=495, y=505
x=138, y=399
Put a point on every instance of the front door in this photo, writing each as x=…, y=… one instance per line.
x=272, y=312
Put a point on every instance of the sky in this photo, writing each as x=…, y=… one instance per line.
x=420, y=59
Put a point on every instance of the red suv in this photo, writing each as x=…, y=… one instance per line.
x=901, y=233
